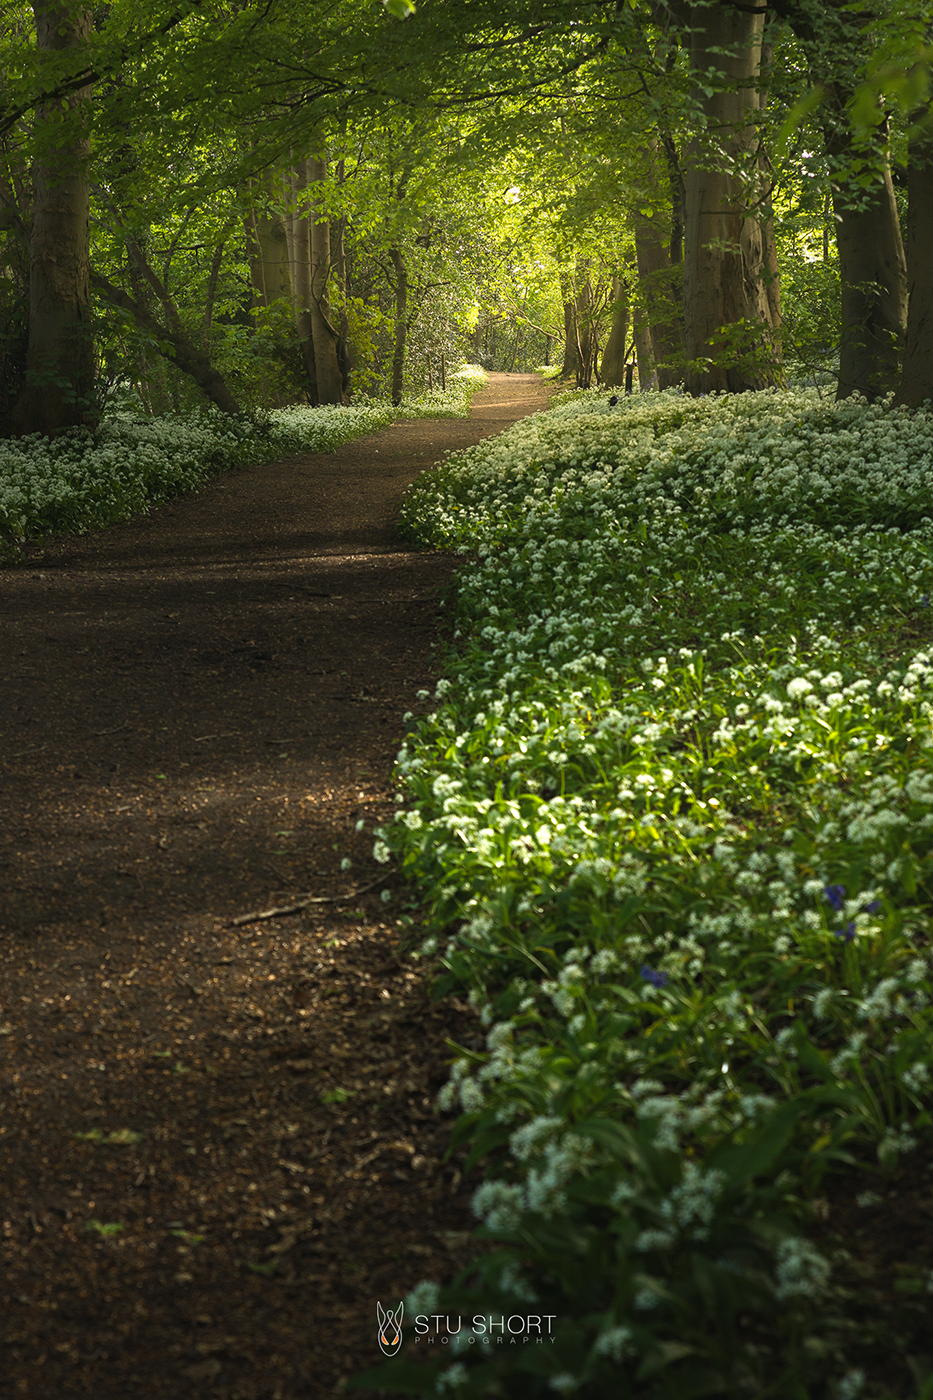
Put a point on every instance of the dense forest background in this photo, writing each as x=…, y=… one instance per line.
x=264, y=204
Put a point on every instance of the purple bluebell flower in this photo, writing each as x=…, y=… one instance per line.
x=650, y=974
x=846, y=934
x=835, y=896
x=925, y=601
x=872, y=908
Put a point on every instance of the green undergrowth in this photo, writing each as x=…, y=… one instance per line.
x=671, y=819
x=83, y=481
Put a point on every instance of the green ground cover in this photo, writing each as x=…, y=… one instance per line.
x=83, y=481
x=671, y=817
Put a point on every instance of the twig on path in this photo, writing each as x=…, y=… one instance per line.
x=36, y=748
x=297, y=905
x=99, y=733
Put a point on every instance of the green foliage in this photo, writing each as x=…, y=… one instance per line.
x=262, y=361
x=671, y=817
x=121, y=1137
x=82, y=481
x=106, y=1231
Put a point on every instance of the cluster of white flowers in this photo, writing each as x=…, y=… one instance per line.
x=81, y=481
x=682, y=777
x=802, y=1271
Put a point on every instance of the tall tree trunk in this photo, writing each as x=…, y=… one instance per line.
x=612, y=366
x=659, y=317
x=917, y=375
x=343, y=320
x=645, y=357
x=729, y=329
x=301, y=263
x=323, y=332
x=570, y=363
x=771, y=271
x=58, y=391
x=401, y=323
x=583, y=321
x=872, y=264
x=270, y=273
x=873, y=273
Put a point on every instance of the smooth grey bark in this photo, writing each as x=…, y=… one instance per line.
x=324, y=334
x=659, y=316
x=728, y=320
x=301, y=278
x=873, y=274
x=58, y=391
x=267, y=234
x=916, y=384
x=612, y=365
x=570, y=363
x=344, y=358
x=872, y=262
x=584, y=327
x=401, y=322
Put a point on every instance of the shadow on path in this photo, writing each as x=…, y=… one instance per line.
x=199, y=707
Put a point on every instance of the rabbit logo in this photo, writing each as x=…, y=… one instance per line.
x=390, y=1329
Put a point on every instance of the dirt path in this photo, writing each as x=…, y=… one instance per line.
x=198, y=708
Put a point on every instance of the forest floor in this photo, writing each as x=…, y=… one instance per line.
x=198, y=708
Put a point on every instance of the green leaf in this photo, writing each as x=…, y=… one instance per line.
x=610, y=1135
x=749, y=1159
x=400, y=9
x=107, y=1231
x=337, y=1095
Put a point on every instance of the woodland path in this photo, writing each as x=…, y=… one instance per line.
x=198, y=707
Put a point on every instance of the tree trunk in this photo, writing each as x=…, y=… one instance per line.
x=58, y=391
x=301, y=279
x=323, y=333
x=645, y=358
x=401, y=323
x=269, y=269
x=301, y=262
x=728, y=321
x=873, y=273
x=872, y=265
x=583, y=322
x=916, y=384
x=343, y=320
x=612, y=366
x=569, y=366
x=185, y=355
x=771, y=271
x=659, y=316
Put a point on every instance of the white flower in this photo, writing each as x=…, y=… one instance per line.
x=851, y=1385
x=423, y=1299
x=381, y=852
x=613, y=1342
x=802, y=1271
x=798, y=687
x=499, y=1205
x=451, y=1379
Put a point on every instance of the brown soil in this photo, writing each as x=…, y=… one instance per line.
x=199, y=706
